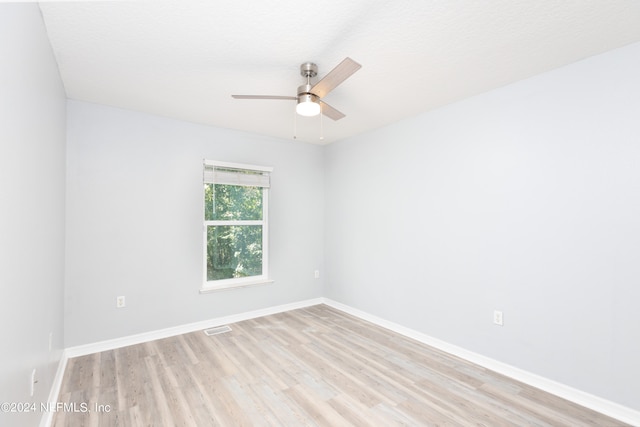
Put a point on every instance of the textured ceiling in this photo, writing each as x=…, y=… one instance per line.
x=184, y=59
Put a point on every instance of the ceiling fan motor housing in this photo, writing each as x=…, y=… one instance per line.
x=307, y=97
x=306, y=90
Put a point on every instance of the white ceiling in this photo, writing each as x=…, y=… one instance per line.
x=184, y=59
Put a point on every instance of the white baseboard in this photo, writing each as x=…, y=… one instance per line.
x=47, y=417
x=598, y=404
x=97, y=347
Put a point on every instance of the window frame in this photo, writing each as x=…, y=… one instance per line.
x=221, y=284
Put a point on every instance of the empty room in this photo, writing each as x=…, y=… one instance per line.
x=284, y=213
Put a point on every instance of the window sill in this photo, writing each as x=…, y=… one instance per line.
x=226, y=286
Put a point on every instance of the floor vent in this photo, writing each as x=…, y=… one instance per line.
x=217, y=330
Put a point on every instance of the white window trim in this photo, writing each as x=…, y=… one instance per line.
x=224, y=284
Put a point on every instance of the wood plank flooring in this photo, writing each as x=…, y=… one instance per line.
x=309, y=367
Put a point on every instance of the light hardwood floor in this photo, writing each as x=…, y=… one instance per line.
x=309, y=367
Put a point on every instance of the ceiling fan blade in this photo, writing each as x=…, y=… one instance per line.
x=293, y=98
x=330, y=112
x=336, y=76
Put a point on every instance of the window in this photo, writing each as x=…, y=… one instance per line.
x=235, y=225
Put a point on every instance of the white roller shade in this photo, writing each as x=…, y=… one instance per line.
x=231, y=174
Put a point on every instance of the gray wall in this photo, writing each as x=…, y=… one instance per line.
x=134, y=222
x=32, y=195
x=524, y=199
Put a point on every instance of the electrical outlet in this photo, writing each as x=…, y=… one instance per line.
x=120, y=302
x=497, y=317
x=316, y=274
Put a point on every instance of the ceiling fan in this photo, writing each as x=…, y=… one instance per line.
x=309, y=97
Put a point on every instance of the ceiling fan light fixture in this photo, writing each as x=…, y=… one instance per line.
x=308, y=105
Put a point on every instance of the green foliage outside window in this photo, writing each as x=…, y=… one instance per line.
x=233, y=251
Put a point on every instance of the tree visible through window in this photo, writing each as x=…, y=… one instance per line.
x=235, y=202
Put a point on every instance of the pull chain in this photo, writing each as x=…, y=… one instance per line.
x=295, y=124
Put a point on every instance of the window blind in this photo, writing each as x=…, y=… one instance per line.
x=236, y=175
